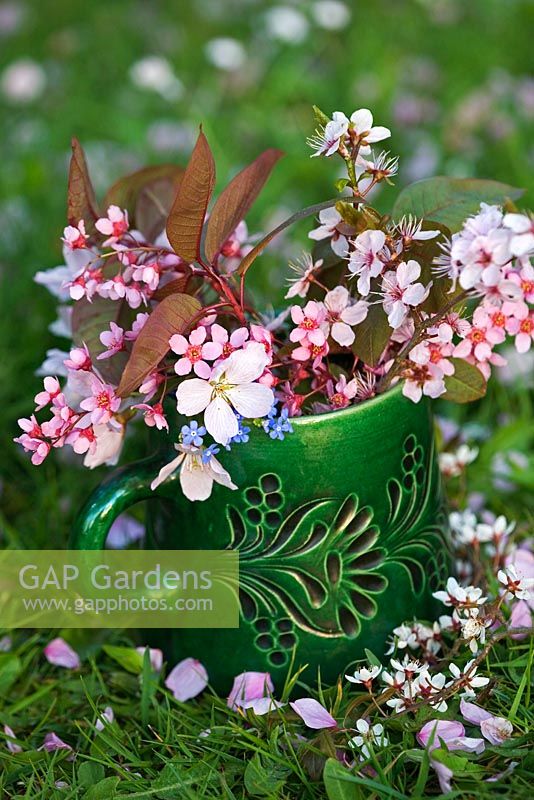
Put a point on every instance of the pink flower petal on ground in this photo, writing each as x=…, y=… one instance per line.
x=313, y=713
x=52, y=742
x=437, y=729
x=496, y=729
x=249, y=686
x=187, y=679
x=13, y=747
x=262, y=705
x=61, y=654
x=444, y=775
x=156, y=657
x=473, y=713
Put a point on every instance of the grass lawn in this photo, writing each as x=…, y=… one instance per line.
x=451, y=79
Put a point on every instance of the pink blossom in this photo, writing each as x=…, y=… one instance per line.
x=149, y=274
x=82, y=439
x=411, y=230
x=521, y=326
x=450, y=324
x=61, y=654
x=304, y=269
x=342, y=315
x=400, y=292
x=32, y=440
x=113, y=289
x=484, y=260
x=79, y=359
x=236, y=247
x=477, y=346
x=433, y=352
x=308, y=351
x=332, y=227
x=343, y=394
x=187, y=679
x=248, y=687
x=137, y=327
x=103, y=402
x=366, y=260
x=114, y=225
x=310, y=323
x=524, y=279
x=85, y=284
x=195, y=352
x=362, y=129
x=419, y=380
x=228, y=342
x=153, y=415
x=313, y=714
x=113, y=340
x=262, y=335
x=52, y=391
x=150, y=385
x=326, y=140
x=75, y=237
x=156, y=658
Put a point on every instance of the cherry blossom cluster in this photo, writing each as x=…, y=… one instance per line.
x=233, y=371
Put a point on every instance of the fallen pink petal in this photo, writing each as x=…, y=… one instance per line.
x=61, y=654
x=249, y=686
x=313, y=714
x=52, y=742
x=11, y=745
x=156, y=657
x=187, y=680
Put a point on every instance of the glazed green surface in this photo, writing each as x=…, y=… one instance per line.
x=339, y=527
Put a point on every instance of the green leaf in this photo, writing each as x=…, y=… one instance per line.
x=103, y=790
x=127, y=657
x=263, y=780
x=126, y=192
x=371, y=658
x=466, y=385
x=10, y=669
x=81, y=200
x=372, y=335
x=321, y=118
x=186, y=219
x=336, y=784
x=173, y=315
x=450, y=200
x=90, y=773
x=236, y=199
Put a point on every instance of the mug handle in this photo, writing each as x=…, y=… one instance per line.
x=120, y=490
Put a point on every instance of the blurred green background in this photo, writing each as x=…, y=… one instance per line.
x=134, y=79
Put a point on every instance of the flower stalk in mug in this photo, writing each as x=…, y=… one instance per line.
x=154, y=298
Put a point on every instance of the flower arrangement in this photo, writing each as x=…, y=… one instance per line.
x=154, y=297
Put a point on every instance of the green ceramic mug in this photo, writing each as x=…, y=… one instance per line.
x=340, y=528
